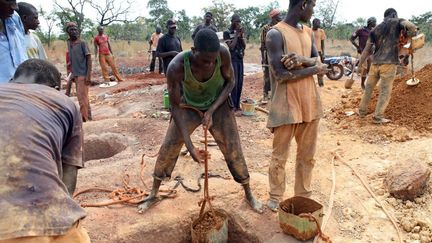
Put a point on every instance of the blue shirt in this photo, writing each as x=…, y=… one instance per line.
x=12, y=47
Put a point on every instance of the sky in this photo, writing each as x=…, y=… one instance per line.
x=348, y=10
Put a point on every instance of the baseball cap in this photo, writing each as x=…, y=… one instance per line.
x=171, y=23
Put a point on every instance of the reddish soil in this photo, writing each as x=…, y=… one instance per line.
x=409, y=107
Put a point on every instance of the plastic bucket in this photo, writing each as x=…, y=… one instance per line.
x=210, y=229
x=293, y=224
x=248, y=107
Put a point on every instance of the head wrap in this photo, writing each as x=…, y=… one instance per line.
x=70, y=24
x=274, y=12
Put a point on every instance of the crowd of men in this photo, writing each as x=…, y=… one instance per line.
x=41, y=128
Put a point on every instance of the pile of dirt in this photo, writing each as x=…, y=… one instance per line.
x=409, y=106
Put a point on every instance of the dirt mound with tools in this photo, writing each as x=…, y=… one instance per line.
x=410, y=106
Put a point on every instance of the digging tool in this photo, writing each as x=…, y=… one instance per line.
x=416, y=43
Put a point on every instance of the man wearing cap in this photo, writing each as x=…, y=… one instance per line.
x=80, y=67
x=12, y=40
x=319, y=37
x=275, y=18
x=101, y=43
x=234, y=38
x=154, y=40
x=362, y=34
x=169, y=44
x=208, y=17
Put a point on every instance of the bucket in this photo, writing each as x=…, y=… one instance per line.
x=248, y=107
x=166, y=103
x=294, y=223
x=210, y=229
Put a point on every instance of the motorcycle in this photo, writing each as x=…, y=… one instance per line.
x=340, y=66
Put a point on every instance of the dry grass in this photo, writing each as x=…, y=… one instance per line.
x=56, y=52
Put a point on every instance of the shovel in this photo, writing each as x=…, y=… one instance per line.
x=413, y=81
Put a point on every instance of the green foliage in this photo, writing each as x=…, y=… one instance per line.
x=159, y=13
x=67, y=15
x=424, y=23
x=184, y=28
x=341, y=31
x=249, y=23
x=325, y=10
x=137, y=31
x=222, y=13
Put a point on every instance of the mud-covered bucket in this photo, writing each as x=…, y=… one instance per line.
x=296, y=217
x=211, y=227
x=248, y=107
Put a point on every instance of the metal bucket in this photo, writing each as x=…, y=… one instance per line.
x=248, y=107
x=217, y=232
x=293, y=222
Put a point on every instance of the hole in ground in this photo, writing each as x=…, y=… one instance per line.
x=180, y=231
x=103, y=146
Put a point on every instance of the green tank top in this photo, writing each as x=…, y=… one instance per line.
x=201, y=94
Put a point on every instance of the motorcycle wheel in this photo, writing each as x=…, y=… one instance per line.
x=348, y=69
x=336, y=72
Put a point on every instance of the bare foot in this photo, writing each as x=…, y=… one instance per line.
x=255, y=204
x=148, y=202
x=273, y=205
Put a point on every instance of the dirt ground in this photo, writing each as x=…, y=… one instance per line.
x=130, y=121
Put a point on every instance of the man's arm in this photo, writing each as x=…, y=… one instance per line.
x=263, y=44
x=354, y=36
x=365, y=54
x=274, y=43
x=109, y=46
x=69, y=178
x=162, y=53
x=95, y=47
x=72, y=151
x=230, y=43
x=228, y=75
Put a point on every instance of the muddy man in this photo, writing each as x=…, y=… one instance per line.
x=201, y=78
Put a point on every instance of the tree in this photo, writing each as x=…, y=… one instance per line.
x=67, y=15
x=424, y=23
x=325, y=10
x=73, y=11
x=159, y=13
x=111, y=11
x=222, y=13
x=249, y=21
x=50, y=19
x=183, y=25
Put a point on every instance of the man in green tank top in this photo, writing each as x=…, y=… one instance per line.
x=203, y=79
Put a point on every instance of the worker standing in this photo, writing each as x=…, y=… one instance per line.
x=41, y=140
x=234, y=38
x=103, y=47
x=169, y=45
x=362, y=34
x=30, y=19
x=80, y=67
x=296, y=108
x=12, y=40
x=319, y=37
x=385, y=39
x=154, y=40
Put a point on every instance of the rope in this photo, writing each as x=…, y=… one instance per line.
x=126, y=194
x=393, y=221
x=207, y=198
x=312, y=218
